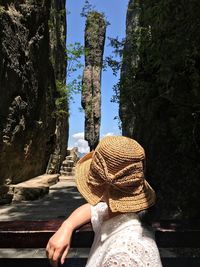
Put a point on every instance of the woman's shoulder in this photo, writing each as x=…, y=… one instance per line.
x=98, y=213
x=100, y=208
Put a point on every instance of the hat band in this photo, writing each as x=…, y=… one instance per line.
x=129, y=180
x=130, y=190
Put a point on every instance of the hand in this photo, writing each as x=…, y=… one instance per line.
x=59, y=244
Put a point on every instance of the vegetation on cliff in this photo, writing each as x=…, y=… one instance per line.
x=160, y=97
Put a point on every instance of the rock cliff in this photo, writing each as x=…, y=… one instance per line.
x=130, y=63
x=57, y=29
x=91, y=89
x=160, y=96
x=28, y=88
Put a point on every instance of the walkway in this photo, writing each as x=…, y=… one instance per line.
x=62, y=199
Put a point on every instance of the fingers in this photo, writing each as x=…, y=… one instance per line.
x=54, y=254
x=50, y=252
x=55, y=258
x=54, y=263
x=64, y=255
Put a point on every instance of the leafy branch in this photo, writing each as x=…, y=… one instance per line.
x=114, y=61
x=74, y=54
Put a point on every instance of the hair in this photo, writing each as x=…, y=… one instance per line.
x=147, y=216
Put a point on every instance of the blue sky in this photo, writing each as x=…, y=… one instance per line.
x=115, y=12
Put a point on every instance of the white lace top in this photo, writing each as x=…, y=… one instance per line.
x=121, y=241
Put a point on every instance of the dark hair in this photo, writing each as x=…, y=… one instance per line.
x=147, y=216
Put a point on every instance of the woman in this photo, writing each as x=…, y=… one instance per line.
x=112, y=181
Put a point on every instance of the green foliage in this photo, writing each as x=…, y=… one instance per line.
x=54, y=15
x=62, y=99
x=116, y=95
x=50, y=24
x=74, y=55
x=87, y=8
x=2, y=9
x=114, y=61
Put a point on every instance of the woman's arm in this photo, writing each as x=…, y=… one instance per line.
x=59, y=244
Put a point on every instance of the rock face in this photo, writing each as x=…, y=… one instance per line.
x=160, y=96
x=130, y=63
x=28, y=90
x=91, y=90
x=57, y=29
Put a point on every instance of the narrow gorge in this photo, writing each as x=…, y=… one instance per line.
x=158, y=93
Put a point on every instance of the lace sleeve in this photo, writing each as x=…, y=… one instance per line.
x=120, y=260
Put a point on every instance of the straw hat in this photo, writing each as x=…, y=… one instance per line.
x=115, y=170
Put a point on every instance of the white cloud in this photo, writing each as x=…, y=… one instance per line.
x=81, y=143
x=82, y=146
x=108, y=134
x=77, y=136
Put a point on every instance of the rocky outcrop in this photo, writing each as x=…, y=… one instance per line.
x=91, y=88
x=34, y=188
x=28, y=113
x=160, y=96
x=129, y=66
x=57, y=29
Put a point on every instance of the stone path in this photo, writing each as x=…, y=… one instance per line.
x=62, y=199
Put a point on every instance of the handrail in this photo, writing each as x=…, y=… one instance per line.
x=35, y=234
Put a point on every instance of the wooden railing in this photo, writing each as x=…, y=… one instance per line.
x=35, y=234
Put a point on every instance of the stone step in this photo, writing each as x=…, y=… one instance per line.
x=69, y=180
x=65, y=173
x=68, y=163
x=34, y=188
x=66, y=178
x=67, y=169
x=69, y=158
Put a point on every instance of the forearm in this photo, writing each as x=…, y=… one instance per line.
x=78, y=217
x=59, y=244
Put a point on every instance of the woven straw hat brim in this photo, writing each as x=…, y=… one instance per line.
x=118, y=201
x=92, y=195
